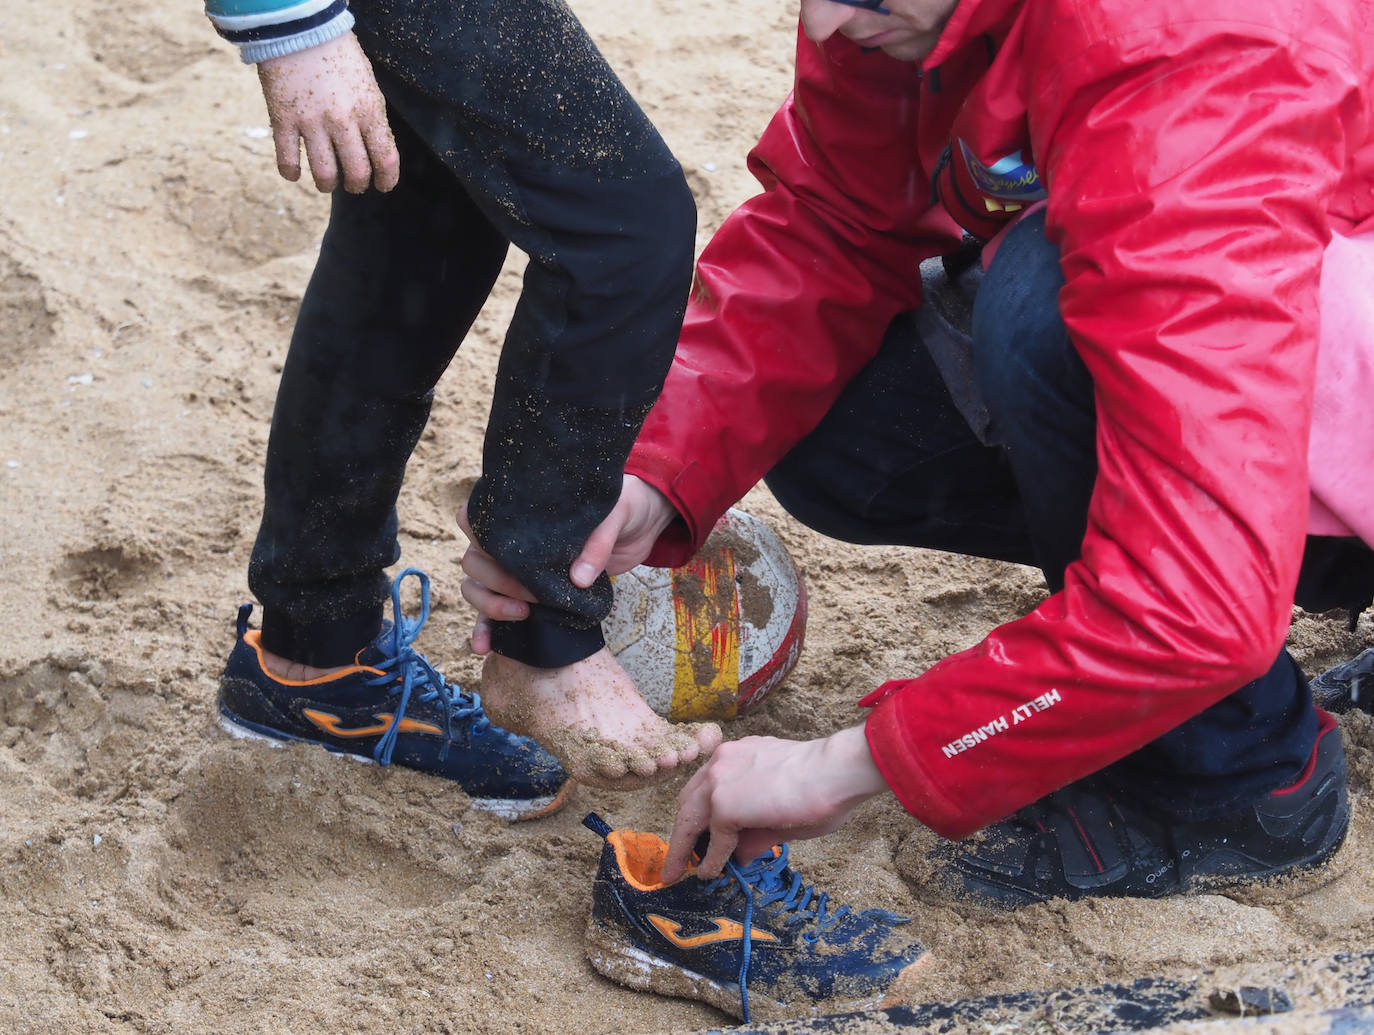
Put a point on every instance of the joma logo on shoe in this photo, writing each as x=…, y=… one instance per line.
x=330, y=724
x=726, y=931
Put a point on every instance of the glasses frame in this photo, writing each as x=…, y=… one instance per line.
x=867, y=5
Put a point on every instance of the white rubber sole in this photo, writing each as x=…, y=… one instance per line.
x=514, y=810
x=626, y=964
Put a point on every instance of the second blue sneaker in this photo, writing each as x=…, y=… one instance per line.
x=392, y=705
x=755, y=942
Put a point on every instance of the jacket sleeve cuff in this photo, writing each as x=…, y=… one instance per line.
x=686, y=488
x=900, y=765
x=256, y=52
x=261, y=35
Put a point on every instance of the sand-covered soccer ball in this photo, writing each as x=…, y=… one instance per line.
x=712, y=639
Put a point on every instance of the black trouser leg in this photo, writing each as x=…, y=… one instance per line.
x=517, y=102
x=399, y=280
x=523, y=135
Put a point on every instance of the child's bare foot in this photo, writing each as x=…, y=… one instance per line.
x=591, y=718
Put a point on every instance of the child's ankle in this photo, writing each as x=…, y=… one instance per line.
x=294, y=671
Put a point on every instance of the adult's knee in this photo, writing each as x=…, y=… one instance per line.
x=1023, y=356
x=800, y=483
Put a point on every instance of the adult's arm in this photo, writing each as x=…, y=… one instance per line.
x=794, y=291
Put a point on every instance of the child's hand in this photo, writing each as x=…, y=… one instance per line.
x=327, y=97
x=619, y=543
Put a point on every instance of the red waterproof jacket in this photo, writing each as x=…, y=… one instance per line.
x=1197, y=155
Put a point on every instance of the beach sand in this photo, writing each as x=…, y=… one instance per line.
x=158, y=875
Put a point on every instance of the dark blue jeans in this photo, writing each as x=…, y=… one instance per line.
x=895, y=462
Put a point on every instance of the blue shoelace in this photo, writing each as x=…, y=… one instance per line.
x=418, y=676
x=765, y=881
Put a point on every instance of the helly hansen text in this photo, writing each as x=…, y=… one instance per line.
x=1020, y=713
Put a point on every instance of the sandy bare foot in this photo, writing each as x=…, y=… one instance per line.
x=591, y=718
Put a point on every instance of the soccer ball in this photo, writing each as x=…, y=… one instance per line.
x=712, y=639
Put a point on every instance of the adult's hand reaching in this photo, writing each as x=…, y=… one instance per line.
x=757, y=791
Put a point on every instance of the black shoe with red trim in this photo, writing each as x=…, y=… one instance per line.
x=1087, y=840
x=1348, y=685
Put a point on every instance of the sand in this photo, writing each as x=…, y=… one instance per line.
x=158, y=875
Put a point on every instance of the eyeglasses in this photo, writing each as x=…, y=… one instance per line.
x=867, y=5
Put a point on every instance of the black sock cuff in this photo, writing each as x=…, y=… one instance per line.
x=324, y=644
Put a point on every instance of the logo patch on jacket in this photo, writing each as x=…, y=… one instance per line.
x=984, y=197
x=1009, y=178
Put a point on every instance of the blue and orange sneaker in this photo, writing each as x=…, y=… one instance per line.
x=755, y=942
x=393, y=706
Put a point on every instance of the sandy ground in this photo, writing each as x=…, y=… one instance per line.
x=159, y=876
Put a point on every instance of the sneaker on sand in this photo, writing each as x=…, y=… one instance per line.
x=390, y=706
x=1348, y=685
x=1085, y=841
x=755, y=942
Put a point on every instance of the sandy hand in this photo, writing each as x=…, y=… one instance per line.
x=592, y=719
